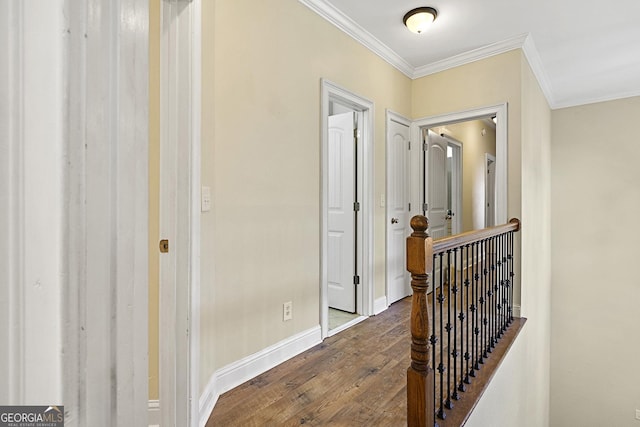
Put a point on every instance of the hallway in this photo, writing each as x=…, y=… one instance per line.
x=355, y=378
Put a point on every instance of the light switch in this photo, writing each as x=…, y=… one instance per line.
x=205, y=204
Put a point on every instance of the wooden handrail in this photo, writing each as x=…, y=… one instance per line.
x=445, y=243
x=420, y=254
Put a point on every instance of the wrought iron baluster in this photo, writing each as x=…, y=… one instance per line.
x=448, y=327
x=467, y=354
x=476, y=307
x=441, y=367
x=434, y=337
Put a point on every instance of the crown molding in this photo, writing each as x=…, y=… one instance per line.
x=522, y=41
x=531, y=53
x=349, y=26
x=577, y=102
x=471, y=56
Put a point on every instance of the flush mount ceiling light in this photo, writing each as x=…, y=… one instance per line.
x=420, y=19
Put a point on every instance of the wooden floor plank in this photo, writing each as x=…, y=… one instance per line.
x=355, y=378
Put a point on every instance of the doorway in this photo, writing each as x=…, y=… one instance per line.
x=347, y=175
x=447, y=129
x=179, y=213
x=398, y=206
x=442, y=188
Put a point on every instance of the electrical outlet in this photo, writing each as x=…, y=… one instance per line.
x=287, y=311
x=637, y=414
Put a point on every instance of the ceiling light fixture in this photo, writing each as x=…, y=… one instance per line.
x=420, y=19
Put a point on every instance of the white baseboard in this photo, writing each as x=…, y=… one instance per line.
x=380, y=305
x=154, y=413
x=516, y=310
x=243, y=370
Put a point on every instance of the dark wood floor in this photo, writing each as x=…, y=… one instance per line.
x=355, y=378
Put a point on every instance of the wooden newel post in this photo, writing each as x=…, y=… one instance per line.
x=420, y=405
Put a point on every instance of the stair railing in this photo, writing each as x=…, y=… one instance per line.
x=462, y=305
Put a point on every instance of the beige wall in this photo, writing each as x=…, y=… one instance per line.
x=522, y=385
x=475, y=145
x=596, y=291
x=519, y=393
x=154, y=191
x=489, y=82
x=261, y=157
x=260, y=243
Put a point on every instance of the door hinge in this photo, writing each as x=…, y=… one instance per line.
x=409, y=144
x=409, y=206
x=356, y=280
x=425, y=207
x=356, y=206
x=355, y=134
x=425, y=146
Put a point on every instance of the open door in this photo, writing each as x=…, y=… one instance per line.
x=398, y=216
x=343, y=213
x=436, y=184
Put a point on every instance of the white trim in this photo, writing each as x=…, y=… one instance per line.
x=471, y=56
x=380, y=305
x=243, y=370
x=331, y=92
x=154, y=413
x=575, y=102
x=516, y=310
x=533, y=58
x=180, y=211
x=487, y=157
x=522, y=41
x=194, y=274
x=105, y=257
x=458, y=165
x=359, y=34
x=12, y=146
x=500, y=111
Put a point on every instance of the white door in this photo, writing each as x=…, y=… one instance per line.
x=436, y=185
x=341, y=244
x=398, y=279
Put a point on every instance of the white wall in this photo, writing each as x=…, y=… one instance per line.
x=595, y=346
x=31, y=145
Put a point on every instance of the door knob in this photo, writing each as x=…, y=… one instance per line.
x=394, y=220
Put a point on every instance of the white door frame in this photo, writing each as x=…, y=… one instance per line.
x=498, y=110
x=456, y=164
x=104, y=260
x=389, y=117
x=330, y=92
x=488, y=157
x=180, y=81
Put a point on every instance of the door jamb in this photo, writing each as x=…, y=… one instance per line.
x=498, y=110
x=331, y=92
x=488, y=157
x=457, y=219
x=183, y=361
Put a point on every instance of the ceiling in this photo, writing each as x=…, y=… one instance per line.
x=580, y=51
